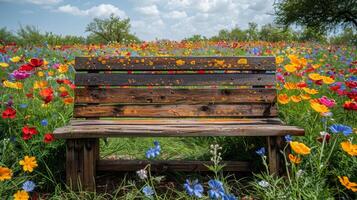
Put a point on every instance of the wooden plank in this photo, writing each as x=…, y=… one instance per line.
x=115, y=79
x=207, y=110
x=173, y=121
x=167, y=165
x=175, y=63
x=173, y=96
x=274, y=154
x=89, y=164
x=101, y=131
x=71, y=164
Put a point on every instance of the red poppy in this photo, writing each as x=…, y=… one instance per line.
x=9, y=113
x=59, y=81
x=28, y=132
x=64, y=94
x=29, y=95
x=47, y=95
x=35, y=62
x=327, y=138
x=26, y=67
x=350, y=105
x=48, y=138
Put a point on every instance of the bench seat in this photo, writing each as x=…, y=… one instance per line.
x=176, y=128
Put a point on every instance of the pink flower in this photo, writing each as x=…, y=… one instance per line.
x=19, y=75
x=327, y=102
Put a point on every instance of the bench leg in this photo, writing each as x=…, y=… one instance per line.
x=274, y=155
x=81, y=157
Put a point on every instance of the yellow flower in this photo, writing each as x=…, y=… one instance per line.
x=279, y=60
x=294, y=59
x=327, y=80
x=4, y=65
x=299, y=148
x=50, y=73
x=305, y=96
x=347, y=183
x=40, y=74
x=14, y=85
x=310, y=91
x=315, y=76
x=62, y=89
x=283, y=98
x=290, y=86
x=350, y=148
x=40, y=84
x=219, y=62
x=242, y=61
x=319, y=107
x=21, y=195
x=290, y=68
x=15, y=59
x=5, y=173
x=180, y=62
x=63, y=69
x=295, y=98
x=294, y=159
x=28, y=163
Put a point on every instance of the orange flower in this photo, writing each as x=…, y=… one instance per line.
x=347, y=183
x=350, y=148
x=300, y=148
x=180, y=62
x=294, y=159
x=39, y=84
x=5, y=173
x=68, y=100
x=310, y=91
x=290, y=68
x=28, y=163
x=295, y=98
x=305, y=96
x=319, y=107
x=315, y=76
x=279, y=60
x=328, y=80
x=290, y=86
x=283, y=98
x=21, y=195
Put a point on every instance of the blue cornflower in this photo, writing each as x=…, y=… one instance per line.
x=288, y=138
x=23, y=105
x=216, y=190
x=148, y=191
x=28, y=186
x=44, y=122
x=260, y=151
x=193, y=188
x=153, y=152
x=339, y=128
x=229, y=197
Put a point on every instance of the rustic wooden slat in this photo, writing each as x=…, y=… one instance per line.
x=71, y=164
x=173, y=96
x=167, y=165
x=116, y=79
x=89, y=164
x=175, y=63
x=173, y=121
x=101, y=131
x=207, y=110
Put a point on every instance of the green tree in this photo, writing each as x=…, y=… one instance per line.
x=6, y=36
x=320, y=15
x=112, y=29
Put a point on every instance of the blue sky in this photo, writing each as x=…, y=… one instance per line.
x=150, y=19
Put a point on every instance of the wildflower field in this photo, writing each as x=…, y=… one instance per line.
x=317, y=91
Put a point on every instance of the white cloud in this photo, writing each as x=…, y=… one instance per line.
x=176, y=14
x=149, y=10
x=44, y=2
x=102, y=10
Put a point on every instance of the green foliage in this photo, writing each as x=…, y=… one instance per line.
x=320, y=15
x=6, y=36
x=348, y=36
x=112, y=29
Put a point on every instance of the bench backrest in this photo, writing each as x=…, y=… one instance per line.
x=179, y=87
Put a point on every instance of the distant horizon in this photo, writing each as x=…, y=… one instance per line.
x=151, y=20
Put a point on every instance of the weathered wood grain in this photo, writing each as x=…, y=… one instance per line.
x=174, y=63
x=174, y=121
x=204, y=110
x=116, y=79
x=168, y=165
x=101, y=131
x=173, y=96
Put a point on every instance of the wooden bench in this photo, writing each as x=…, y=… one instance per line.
x=169, y=96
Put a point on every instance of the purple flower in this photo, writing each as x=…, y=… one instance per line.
x=148, y=191
x=229, y=197
x=288, y=138
x=216, y=190
x=19, y=75
x=193, y=188
x=260, y=151
x=339, y=128
x=153, y=152
x=28, y=186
